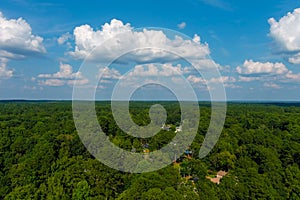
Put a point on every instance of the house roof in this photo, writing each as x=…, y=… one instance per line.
x=215, y=180
x=221, y=173
x=218, y=178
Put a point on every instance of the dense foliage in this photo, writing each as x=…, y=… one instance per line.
x=42, y=157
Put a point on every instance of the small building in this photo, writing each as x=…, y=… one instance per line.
x=221, y=173
x=178, y=129
x=219, y=176
x=215, y=180
x=165, y=127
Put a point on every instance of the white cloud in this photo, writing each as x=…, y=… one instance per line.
x=153, y=71
x=64, y=38
x=145, y=72
x=86, y=39
x=16, y=42
x=78, y=81
x=65, y=72
x=259, y=68
x=286, y=33
x=196, y=38
x=64, y=76
x=223, y=79
x=177, y=80
x=52, y=82
x=182, y=25
x=4, y=72
x=162, y=72
x=107, y=73
x=17, y=38
x=195, y=79
x=228, y=81
x=7, y=55
x=151, y=51
x=169, y=70
x=291, y=77
x=206, y=64
x=258, y=71
x=272, y=85
x=248, y=79
x=156, y=70
x=295, y=59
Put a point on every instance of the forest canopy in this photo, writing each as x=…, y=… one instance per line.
x=42, y=156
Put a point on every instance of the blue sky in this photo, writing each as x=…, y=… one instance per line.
x=254, y=44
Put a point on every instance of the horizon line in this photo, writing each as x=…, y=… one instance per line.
x=153, y=100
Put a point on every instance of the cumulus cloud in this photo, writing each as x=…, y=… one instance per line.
x=4, y=72
x=82, y=81
x=259, y=68
x=17, y=38
x=295, y=59
x=107, y=73
x=150, y=72
x=162, y=70
x=16, y=42
x=286, y=32
x=150, y=52
x=259, y=71
x=65, y=76
x=228, y=81
x=292, y=77
x=182, y=25
x=64, y=38
x=122, y=36
x=52, y=82
x=153, y=71
x=65, y=72
x=195, y=79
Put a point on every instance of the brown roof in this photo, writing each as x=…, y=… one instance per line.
x=221, y=173
x=215, y=180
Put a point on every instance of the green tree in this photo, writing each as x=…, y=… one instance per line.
x=81, y=191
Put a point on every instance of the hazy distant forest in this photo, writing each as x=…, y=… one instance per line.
x=42, y=157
